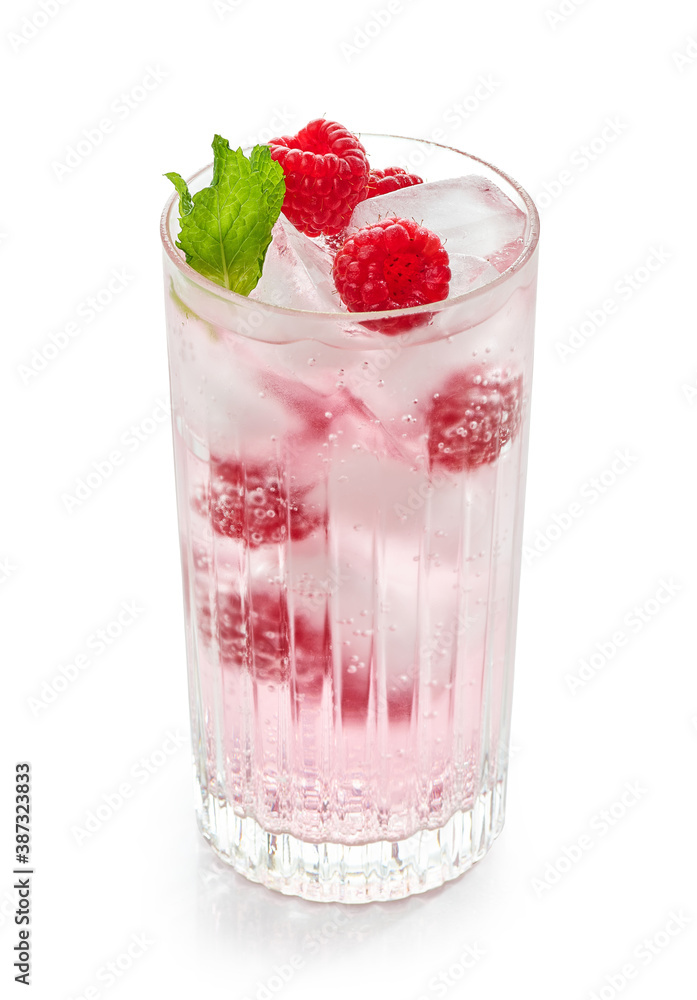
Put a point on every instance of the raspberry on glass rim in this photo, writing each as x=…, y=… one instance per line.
x=394, y=264
x=326, y=173
x=390, y=179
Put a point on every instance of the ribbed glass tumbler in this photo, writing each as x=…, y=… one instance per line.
x=350, y=500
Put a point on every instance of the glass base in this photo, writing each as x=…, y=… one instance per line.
x=361, y=873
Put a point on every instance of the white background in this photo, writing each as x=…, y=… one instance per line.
x=544, y=919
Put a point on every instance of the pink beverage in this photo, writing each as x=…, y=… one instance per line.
x=350, y=501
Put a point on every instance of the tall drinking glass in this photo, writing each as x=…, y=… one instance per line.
x=350, y=499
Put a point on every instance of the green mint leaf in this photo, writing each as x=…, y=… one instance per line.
x=185, y=200
x=226, y=227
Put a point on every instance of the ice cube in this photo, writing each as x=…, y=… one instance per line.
x=468, y=272
x=324, y=412
x=297, y=272
x=471, y=214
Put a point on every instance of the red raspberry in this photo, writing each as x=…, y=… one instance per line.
x=393, y=264
x=266, y=626
x=326, y=171
x=390, y=179
x=262, y=637
x=249, y=502
x=475, y=414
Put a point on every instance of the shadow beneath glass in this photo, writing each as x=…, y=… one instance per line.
x=278, y=935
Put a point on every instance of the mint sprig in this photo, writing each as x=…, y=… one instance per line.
x=226, y=227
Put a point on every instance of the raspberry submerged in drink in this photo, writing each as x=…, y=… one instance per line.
x=259, y=635
x=472, y=417
x=250, y=502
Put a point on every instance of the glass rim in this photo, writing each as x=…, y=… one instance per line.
x=361, y=317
